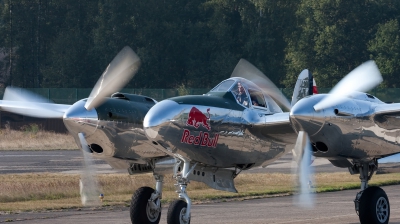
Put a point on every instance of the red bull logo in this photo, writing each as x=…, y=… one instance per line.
x=196, y=119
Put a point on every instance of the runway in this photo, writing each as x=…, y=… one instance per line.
x=70, y=161
x=330, y=208
x=54, y=161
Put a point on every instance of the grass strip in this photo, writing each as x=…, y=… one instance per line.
x=31, y=137
x=49, y=191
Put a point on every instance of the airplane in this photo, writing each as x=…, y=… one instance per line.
x=208, y=138
x=353, y=130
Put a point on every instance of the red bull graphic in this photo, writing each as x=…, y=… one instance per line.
x=195, y=119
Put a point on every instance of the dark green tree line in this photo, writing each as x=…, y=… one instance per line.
x=195, y=43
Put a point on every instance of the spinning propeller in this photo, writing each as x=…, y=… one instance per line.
x=363, y=78
x=26, y=103
x=89, y=187
x=117, y=74
x=303, y=171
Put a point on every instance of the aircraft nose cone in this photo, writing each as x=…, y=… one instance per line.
x=78, y=119
x=158, y=117
x=304, y=118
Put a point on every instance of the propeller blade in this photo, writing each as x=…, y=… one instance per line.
x=248, y=71
x=361, y=79
x=88, y=184
x=26, y=103
x=303, y=171
x=84, y=144
x=18, y=94
x=118, y=73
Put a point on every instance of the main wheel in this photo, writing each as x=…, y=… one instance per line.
x=374, y=206
x=176, y=212
x=141, y=211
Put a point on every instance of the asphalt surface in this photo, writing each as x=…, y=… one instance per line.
x=57, y=161
x=71, y=161
x=329, y=208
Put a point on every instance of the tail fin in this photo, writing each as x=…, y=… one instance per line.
x=305, y=86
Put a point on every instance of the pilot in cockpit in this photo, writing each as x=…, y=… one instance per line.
x=254, y=101
x=241, y=96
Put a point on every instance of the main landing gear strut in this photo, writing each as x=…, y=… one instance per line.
x=146, y=202
x=371, y=203
x=179, y=210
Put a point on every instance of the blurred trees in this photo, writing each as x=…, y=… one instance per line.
x=385, y=48
x=195, y=43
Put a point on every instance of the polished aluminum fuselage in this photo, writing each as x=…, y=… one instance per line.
x=359, y=128
x=224, y=135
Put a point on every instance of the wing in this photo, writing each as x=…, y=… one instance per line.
x=387, y=116
x=387, y=108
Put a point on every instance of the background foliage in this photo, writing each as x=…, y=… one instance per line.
x=195, y=43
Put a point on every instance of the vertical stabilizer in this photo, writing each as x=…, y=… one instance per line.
x=305, y=86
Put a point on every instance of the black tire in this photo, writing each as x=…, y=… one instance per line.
x=139, y=207
x=374, y=206
x=176, y=211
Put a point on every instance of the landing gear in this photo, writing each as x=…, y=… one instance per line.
x=371, y=203
x=179, y=210
x=374, y=206
x=146, y=204
x=176, y=212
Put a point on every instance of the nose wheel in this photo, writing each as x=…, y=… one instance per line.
x=177, y=212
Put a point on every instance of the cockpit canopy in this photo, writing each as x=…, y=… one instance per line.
x=247, y=94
